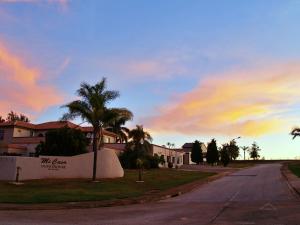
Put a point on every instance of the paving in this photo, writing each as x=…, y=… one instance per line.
x=257, y=195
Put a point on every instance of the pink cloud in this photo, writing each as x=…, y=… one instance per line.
x=157, y=68
x=21, y=88
x=248, y=103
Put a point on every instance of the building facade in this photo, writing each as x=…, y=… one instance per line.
x=21, y=138
x=187, y=148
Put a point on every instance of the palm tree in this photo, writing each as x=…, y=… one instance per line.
x=92, y=108
x=245, y=148
x=116, y=126
x=295, y=132
x=140, y=139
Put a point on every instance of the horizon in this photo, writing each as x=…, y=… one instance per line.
x=188, y=71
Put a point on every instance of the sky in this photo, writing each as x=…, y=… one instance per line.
x=188, y=70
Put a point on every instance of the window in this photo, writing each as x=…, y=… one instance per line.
x=1, y=134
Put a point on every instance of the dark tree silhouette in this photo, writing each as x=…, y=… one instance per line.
x=197, y=155
x=234, y=150
x=254, y=151
x=225, y=155
x=13, y=117
x=212, y=155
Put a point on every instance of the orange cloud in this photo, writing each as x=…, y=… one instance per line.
x=22, y=87
x=248, y=103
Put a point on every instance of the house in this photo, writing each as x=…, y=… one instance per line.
x=187, y=148
x=21, y=138
x=172, y=155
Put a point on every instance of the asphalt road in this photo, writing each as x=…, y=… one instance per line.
x=258, y=195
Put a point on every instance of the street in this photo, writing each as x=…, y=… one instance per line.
x=257, y=195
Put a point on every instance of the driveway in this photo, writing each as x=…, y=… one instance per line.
x=257, y=195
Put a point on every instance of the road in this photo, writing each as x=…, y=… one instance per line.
x=257, y=195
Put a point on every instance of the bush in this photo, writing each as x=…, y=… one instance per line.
x=129, y=158
x=63, y=142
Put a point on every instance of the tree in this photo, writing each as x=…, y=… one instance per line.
x=225, y=155
x=116, y=126
x=295, y=132
x=212, y=155
x=63, y=142
x=244, y=148
x=139, y=147
x=92, y=108
x=254, y=151
x=234, y=150
x=13, y=117
x=139, y=139
x=197, y=155
x=2, y=120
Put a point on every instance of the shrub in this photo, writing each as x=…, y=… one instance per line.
x=129, y=158
x=63, y=142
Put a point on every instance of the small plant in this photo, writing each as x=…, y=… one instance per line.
x=139, y=165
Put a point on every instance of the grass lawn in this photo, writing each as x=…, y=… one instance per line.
x=73, y=190
x=295, y=168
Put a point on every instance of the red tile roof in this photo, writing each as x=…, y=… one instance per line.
x=16, y=146
x=52, y=125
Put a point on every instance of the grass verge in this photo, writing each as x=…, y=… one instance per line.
x=294, y=168
x=75, y=190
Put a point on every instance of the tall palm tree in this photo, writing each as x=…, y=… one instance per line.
x=140, y=139
x=295, y=132
x=116, y=126
x=245, y=148
x=92, y=108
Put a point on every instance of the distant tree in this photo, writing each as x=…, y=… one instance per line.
x=244, y=148
x=234, y=150
x=140, y=140
x=197, y=155
x=254, y=151
x=170, y=145
x=2, y=120
x=13, y=117
x=63, y=142
x=212, y=155
x=225, y=155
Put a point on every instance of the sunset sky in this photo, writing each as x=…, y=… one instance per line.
x=187, y=69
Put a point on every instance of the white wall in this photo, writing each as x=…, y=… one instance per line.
x=21, y=132
x=168, y=152
x=44, y=167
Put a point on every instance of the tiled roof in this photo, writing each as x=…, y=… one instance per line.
x=16, y=146
x=52, y=125
x=188, y=145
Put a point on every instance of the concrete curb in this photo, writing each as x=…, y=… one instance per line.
x=153, y=197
